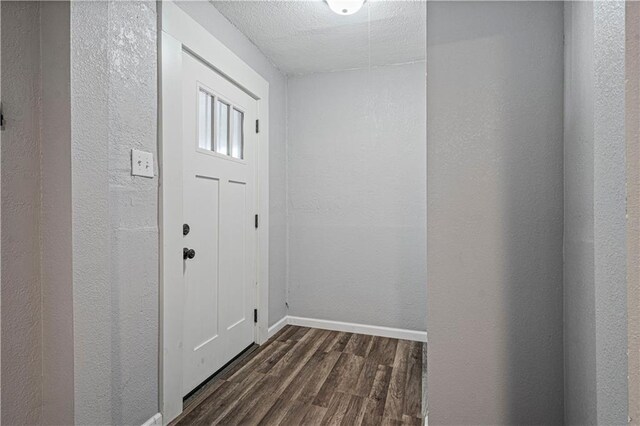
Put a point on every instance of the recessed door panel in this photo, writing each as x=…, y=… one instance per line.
x=233, y=258
x=202, y=277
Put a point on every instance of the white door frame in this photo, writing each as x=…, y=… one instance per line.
x=180, y=32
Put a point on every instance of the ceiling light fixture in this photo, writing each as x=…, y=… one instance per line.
x=345, y=7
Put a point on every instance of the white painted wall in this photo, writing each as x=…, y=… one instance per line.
x=357, y=196
x=595, y=292
x=209, y=17
x=115, y=246
x=495, y=212
x=609, y=212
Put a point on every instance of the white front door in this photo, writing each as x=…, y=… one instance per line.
x=219, y=203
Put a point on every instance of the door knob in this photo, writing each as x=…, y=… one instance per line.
x=188, y=253
x=185, y=229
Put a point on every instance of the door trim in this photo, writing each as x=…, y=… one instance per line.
x=180, y=32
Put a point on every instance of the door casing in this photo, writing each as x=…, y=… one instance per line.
x=180, y=32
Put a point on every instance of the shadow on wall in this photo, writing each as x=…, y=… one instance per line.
x=495, y=99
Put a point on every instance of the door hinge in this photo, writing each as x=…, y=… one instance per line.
x=257, y=126
x=255, y=315
x=256, y=221
x=1, y=117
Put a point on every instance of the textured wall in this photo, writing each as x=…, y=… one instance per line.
x=609, y=212
x=595, y=225
x=357, y=194
x=115, y=248
x=21, y=286
x=133, y=211
x=632, y=125
x=55, y=220
x=494, y=209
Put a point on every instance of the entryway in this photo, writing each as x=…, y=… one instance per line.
x=219, y=234
x=214, y=189
x=339, y=285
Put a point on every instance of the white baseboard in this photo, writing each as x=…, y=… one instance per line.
x=277, y=327
x=156, y=420
x=396, y=333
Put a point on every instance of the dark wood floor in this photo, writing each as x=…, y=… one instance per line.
x=306, y=376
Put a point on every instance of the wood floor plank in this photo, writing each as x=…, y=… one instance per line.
x=314, y=415
x=310, y=390
x=296, y=354
x=394, y=406
x=202, y=394
x=358, y=344
x=301, y=379
x=329, y=341
x=383, y=349
x=323, y=398
x=337, y=409
x=221, y=401
x=340, y=342
x=276, y=412
x=279, y=335
x=378, y=396
x=247, y=401
x=296, y=412
x=204, y=410
x=411, y=421
x=291, y=365
x=258, y=409
x=413, y=382
x=386, y=421
x=366, y=378
x=286, y=332
x=351, y=374
x=305, y=376
x=275, y=355
x=242, y=371
x=355, y=411
x=299, y=333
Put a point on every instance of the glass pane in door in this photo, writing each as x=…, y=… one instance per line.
x=205, y=120
x=222, y=133
x=237, y=140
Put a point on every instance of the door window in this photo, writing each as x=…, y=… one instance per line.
x=220, y=125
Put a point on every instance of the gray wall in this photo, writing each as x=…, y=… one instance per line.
x=595, y=224
x=55, y=221
x=495, y=212
x=115, y=246
x=579, y=284
x=609, y=212
x=228, y=34
x=357, y=196
x=21, y=285
x=632, y=129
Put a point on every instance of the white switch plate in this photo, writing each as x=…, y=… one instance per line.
x=141, y=163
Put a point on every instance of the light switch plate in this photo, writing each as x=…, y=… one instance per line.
x=141, y=163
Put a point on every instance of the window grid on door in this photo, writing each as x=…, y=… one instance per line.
x=220, y=125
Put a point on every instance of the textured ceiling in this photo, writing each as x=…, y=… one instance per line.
x=303, y=37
